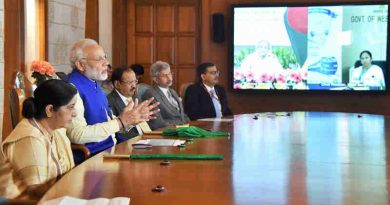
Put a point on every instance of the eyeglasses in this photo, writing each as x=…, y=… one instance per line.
x=134, y=82
x=216, y=72
x=101, y=59
x=166, y=75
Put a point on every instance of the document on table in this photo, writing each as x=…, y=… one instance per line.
x=98, y=201
x=160, y=142
x=216, y=119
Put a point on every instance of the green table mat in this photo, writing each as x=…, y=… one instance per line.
x=192, y=131
x=178, y=156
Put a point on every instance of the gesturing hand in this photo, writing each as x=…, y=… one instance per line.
x=139, y=113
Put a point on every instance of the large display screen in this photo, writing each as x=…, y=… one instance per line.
x=316, y=47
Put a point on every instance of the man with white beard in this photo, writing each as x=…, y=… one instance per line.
x=95, y=126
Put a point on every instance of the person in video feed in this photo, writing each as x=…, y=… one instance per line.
x=262, y=61
x=367, y=74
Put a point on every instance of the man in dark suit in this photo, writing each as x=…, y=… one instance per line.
x=206, y=99
x=125, y=85
x=171, y=108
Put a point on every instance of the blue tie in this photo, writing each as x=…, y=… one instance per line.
x=217, y=105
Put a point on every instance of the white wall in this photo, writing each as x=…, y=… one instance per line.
x=66, y=24
x=105, y=26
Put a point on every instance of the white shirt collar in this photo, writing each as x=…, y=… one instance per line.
x=164, y=90
x=124, y=99
x=208, y=87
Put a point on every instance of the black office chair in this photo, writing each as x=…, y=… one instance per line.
x=62, y=75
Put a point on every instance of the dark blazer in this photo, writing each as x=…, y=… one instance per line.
x=198, y=103
x=117, y=105
x=168, y=114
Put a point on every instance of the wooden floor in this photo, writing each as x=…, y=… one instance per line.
x=270, y=158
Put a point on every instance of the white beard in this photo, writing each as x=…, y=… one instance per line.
x=95, y=75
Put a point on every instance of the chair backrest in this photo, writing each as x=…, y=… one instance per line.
x=16, y=98
x=62, y=76
x=183, y=89
x=141, y=89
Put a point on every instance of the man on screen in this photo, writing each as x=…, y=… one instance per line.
x=262, y=62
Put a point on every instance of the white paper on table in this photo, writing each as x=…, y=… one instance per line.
x=98, y=201
x=161, y=142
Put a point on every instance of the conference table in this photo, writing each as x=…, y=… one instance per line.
x=269, y=158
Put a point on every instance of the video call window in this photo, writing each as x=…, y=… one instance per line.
x=327, y=47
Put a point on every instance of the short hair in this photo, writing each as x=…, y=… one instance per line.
x=365, y=51
x=77, y=53
x=51, y=92
x=201, y=69
x=157, y=67
x=118, y=73
x=138, y=69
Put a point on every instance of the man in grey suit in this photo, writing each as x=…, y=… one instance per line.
x=171, y=107
x=125, y=85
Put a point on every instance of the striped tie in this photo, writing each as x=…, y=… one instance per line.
x=217, y=105
x=172, y=101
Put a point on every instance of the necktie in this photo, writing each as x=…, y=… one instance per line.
x=172, y=100
x=217, y=105
x=130, y=102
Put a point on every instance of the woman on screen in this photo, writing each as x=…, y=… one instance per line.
x=368, y=74
x=37, y=149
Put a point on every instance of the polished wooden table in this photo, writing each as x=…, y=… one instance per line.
x=270, y=158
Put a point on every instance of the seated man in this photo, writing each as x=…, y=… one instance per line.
x=171, y=108
x=141, y=87
x=95, y=125
x=206, y=99
x=125, y=85
x=138, y=70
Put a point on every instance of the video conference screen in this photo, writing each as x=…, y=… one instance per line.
x=333, y=47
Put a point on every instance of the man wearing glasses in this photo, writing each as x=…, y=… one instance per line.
x=206, y=99
x=171, y=107
x=125, y=86
x=95, y=125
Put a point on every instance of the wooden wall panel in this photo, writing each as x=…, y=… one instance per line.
x=42, y=29
x=92, y=24
x=146, y=78
x=165, y=21
x=144, y=18
x=185, y=74
x=13, y=54
x=119, y=35
x=186, y=50
x=186, y=19
x=144, y=50
x=165, y=49
x=171, y=27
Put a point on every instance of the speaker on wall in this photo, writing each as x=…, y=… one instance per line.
x=218, y=28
